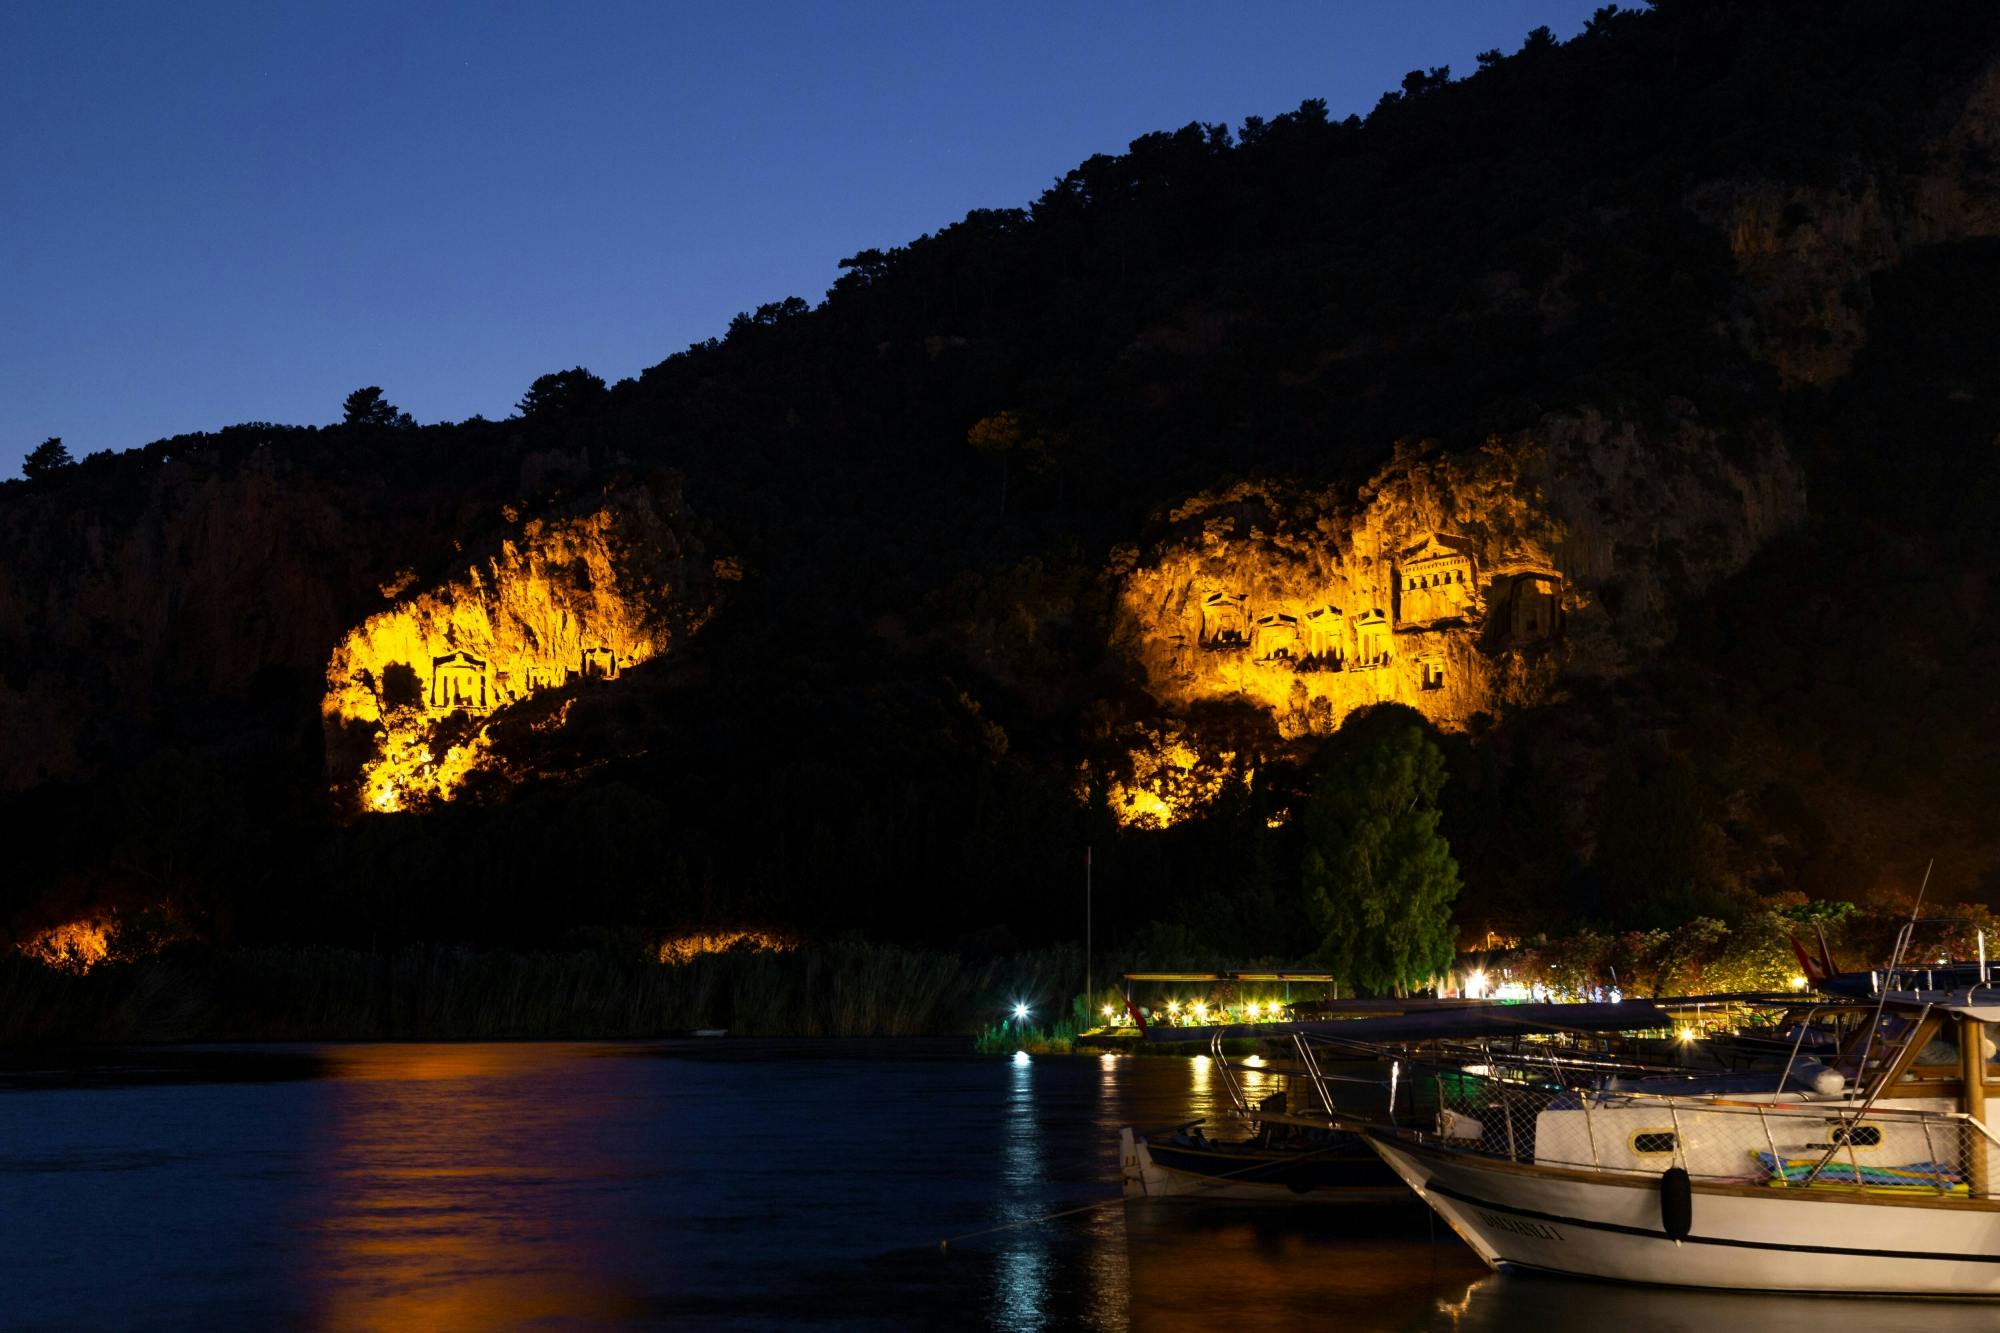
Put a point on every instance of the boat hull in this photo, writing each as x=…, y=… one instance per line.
x=1526, y=1218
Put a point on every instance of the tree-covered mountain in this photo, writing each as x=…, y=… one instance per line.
x=1683, y=326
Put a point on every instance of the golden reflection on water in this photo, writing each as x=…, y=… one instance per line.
x=445, y=1172
x=1200, y=1073
x=1249, y=1270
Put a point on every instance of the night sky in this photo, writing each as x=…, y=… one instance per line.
x=220, y=213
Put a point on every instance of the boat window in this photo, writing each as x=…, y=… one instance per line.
x=1864, y=1136
x=1653, y=1141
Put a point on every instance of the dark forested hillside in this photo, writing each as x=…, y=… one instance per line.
x=1684, y=325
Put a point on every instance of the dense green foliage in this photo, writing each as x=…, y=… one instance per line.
x=1379, y=879
x=1759, y=951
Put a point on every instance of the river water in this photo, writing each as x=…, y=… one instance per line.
x=723, y=1184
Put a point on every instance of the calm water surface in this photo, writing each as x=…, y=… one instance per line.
x=709, y=1184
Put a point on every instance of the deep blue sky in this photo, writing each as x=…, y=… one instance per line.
x=215, y=213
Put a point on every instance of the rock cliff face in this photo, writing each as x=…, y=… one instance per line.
x=1805, y=252
x=122, y=615
x=201, y=601
x=1457, y=585
x=316, y=624
x=415, y=691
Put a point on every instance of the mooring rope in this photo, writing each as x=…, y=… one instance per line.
x=1211, y=1183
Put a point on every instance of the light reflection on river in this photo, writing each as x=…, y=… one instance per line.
x=722, y=1184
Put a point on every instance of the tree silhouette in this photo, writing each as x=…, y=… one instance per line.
x=1540, y=42
x=45, y=458
x=1379, y=877
x=367, y=407
x=1418, y=83
x=1005, y=434
x=562, y=393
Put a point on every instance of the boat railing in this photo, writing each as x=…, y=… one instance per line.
x=1781, y=1143
x=1315, y=1088
x=1306, y=1072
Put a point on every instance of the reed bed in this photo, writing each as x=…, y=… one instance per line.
x=842, y=989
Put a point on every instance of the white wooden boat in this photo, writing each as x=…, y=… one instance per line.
x=1882, y=1186
x=1869, y=1173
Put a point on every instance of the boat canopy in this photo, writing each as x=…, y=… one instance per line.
x=1471, y=1021
x=1980, y=1009
x=1313, y=977
x=1964, y=990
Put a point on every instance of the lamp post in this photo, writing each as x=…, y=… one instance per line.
x=1088, y=989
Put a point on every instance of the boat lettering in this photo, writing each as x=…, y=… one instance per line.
x=1520, y=1226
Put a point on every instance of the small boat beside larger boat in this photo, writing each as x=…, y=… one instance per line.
x=1868, y=1170
x=1281, y=1163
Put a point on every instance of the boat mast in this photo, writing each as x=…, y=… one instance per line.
x=1972, y=1076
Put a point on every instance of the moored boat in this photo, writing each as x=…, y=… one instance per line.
x=1866, y=1170
x=1870, y=1175
x=1280, y=1164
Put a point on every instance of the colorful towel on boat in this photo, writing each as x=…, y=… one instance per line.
x=1921, y=1175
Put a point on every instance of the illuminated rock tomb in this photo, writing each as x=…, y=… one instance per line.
x=1534, y=607
x=1324, y=633
x=458, y=680
x=1275, y=637
x=1371, y=640
x=1434, y=581
x=1224, y=621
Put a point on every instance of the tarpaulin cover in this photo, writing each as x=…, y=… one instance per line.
x=1497, y=1020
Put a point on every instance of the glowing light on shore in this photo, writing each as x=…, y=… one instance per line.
x=74, y=946
x=1167, y=778
x=686, y=948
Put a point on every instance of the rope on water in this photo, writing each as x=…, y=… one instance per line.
x=948, y=1241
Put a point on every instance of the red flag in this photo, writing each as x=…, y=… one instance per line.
x=1806, y=964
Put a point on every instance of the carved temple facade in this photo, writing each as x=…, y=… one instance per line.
x=1432, y=585
x=1434, y=580
x=1420, y=623
x=461, y=682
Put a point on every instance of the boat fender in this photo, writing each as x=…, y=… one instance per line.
x=1676, y=1203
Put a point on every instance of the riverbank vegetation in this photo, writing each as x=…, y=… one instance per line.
x=846, y=988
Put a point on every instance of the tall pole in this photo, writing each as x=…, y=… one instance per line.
x=1088, y=988
x=1972, y=1078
